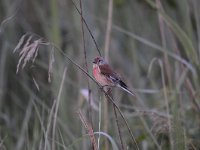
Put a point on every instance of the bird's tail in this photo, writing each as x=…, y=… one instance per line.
x=125, y=88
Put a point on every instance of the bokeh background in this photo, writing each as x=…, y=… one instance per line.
x=153, y=44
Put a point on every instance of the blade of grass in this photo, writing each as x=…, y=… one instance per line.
x=57, y=105
x=163, y=31
x=183, y=38
x=24, y=127
x=159, y=48
x=181, y=35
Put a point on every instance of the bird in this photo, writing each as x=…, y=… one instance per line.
x=106, y=76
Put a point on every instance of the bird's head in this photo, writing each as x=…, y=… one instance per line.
x=99, y=61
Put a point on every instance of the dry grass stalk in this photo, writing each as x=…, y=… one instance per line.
x=36, y=84
x=86, y=65
x=51, y=61
x=109, y=92
x=89, y=129
x=87, y=27
x=106, y=50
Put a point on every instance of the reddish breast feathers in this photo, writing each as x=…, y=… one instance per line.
x=101, y=79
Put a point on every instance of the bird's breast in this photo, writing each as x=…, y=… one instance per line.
x=102, y=79
x=95, y=70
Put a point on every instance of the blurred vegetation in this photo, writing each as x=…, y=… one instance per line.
x=154, y=45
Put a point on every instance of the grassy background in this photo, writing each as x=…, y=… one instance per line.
x=154, y=47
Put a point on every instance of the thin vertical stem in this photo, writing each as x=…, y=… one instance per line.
x=89, y=129
x=106, y=49
x=109, y=92
x=168, y=69
x=163, y=40
x=56, y=107
x=108, y=30
x=86, y=65
x=99, y=123
x=119, y=131
x=86, y=25
x=105, y=120
x=196, y=14
x=166, y=103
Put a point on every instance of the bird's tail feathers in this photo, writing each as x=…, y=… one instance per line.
x=125, y=88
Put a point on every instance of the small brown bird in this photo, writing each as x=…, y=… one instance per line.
x=105, y=75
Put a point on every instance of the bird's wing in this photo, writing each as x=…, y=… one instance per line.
x=107, y=71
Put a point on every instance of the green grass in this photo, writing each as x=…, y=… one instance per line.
x=155, y=49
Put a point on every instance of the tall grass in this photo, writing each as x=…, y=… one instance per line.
x=154, y=45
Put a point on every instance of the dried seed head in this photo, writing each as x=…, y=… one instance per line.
x=160, y=124
x=29, y=50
